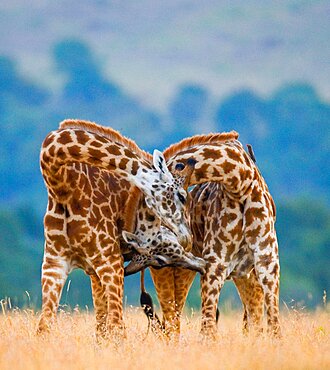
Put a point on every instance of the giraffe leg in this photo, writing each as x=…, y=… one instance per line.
x=55, y=271
x=100, y=307
x=267, y=270
x=183, y=279
x=211, y=283
x=111, y=276
x=164, y=284
x=259, y=216
x=108, y=264
x=252, y=297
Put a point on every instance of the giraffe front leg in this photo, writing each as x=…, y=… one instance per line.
x=164, y=284
x=211, y=284
x=183, y=279
x=100, y=306
x=54, y=274
x=252, y=297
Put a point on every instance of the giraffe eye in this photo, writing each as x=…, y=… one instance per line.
x=182, y=198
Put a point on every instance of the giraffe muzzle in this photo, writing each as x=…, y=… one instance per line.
x=156, y=261
x=185, y=238
x=193, y=263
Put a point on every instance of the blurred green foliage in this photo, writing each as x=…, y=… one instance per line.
x=289, y=131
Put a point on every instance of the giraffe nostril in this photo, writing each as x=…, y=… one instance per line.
x=160, y=261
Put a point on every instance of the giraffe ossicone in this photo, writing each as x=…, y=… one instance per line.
x=161, y=166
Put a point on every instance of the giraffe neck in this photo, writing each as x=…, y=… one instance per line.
x=226, y=162
x=66, y=146
x=147, y=223
x=138, y=218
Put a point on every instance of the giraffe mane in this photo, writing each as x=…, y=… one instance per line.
x=108, y=132
x=212, y=138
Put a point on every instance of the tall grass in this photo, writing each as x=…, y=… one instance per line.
x=72, y=345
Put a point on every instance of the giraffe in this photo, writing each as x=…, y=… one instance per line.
x=232, y=220
x=94, y=176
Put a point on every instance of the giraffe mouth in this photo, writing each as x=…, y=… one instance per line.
x=135, y=266
x=198, y=266
x=191, y=262
x=130, y=270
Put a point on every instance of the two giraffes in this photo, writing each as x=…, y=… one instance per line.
x=110, y=201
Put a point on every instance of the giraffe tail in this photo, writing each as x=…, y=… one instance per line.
x=217, y=315
x=148, y=308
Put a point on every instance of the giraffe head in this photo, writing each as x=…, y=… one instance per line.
x=167, y=196
x=164, y=250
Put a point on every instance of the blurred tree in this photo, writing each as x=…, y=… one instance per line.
x=303, y=227
x=21, y=114
x=296, y=108
x=291, y=128
x=19, y=263
x=29, y=220
x=89, y=95
x=301, y=129
x=10, y=230
x=85, y=82
x=245, y=112
x=189, y=104
x=16, y=89
x=187, y=109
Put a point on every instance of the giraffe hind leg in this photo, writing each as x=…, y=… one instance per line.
x=261, y=237
x=54, y=274
x=211, y=284
x=100, y=306
x=252, y=297
x=268, y=278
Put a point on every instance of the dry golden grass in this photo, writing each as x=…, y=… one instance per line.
x=72, y=345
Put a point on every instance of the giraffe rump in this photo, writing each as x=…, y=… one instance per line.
x=212, y=138
x=108, y=132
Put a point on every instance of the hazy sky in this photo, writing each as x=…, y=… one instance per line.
x=149, y=47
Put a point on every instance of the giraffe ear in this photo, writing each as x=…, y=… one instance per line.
x=131, y=238
x=161, y=166
x=135, y=242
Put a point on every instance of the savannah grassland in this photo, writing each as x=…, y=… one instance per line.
x=72, y=345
